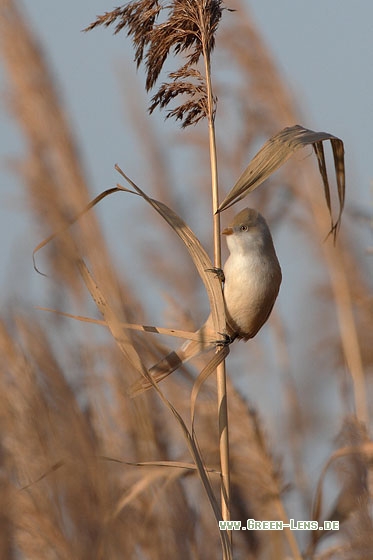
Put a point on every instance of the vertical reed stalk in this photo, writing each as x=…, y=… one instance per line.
x=220, y=372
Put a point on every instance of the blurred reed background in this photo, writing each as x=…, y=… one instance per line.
x=298, y=394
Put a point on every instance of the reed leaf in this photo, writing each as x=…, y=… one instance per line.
x=200, y=258
x=182, y=465
x=277, y=150
x=215, y=361
x=187, y=335
x=197, y=252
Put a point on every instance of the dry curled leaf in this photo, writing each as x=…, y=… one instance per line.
x=277, y=150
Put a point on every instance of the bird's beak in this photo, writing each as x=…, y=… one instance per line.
x=227, y=231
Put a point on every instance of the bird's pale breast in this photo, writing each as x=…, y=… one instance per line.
x=251, y=288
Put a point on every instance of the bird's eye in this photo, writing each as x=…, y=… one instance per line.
x=243, y=228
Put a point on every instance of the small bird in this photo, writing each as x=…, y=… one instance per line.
x=252, y=278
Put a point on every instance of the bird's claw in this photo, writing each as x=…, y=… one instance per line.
x=226, y=340
x=219, y=272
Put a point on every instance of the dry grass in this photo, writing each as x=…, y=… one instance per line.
x=88, y=472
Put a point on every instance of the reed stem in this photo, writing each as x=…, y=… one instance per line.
x=221, y=373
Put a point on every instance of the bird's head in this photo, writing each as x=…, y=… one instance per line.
x=247, y=231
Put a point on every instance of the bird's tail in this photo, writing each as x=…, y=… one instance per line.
x=170, y=363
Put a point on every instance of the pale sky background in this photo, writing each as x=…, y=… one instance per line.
x=324, y=49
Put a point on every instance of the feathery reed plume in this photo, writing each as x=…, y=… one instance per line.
x=187, y=28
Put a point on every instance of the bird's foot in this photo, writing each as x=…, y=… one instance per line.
x=226, y=340
x=219, y=272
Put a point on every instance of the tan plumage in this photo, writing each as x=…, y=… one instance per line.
x=252, y=281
